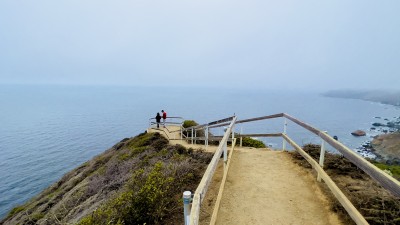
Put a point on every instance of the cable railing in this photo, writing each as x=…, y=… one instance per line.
x=382, y=178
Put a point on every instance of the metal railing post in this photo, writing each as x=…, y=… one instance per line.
x=233, y=132
x=206, y=135
x=181, y=132
x=284, y=132
x=187, y=196
x=241, y=138
x=192, y=135
x=321, y=157
x=225, y=149
x=195, y=136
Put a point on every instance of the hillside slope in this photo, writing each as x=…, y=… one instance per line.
x=139, y=180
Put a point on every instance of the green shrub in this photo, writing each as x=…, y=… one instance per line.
x=146, y=200
x=189, y=123
x=394, y=169
x=16, y=210
x=250, y=142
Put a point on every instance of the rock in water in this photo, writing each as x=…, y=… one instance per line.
x=358, y=133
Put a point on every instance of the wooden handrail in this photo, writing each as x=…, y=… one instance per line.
x=207, y=177
x=351, y=210
x=381, y=177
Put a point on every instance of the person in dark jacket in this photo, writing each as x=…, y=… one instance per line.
x=158, y=120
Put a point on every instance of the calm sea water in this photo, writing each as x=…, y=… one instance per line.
x=45, y=131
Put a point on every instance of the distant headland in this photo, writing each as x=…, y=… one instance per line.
x=382, y=96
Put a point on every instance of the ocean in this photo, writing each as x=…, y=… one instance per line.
x=46, y=131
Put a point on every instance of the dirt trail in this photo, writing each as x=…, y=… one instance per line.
x=266, y=187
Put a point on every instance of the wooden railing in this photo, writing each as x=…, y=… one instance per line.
x=201, y=190
x=382, y=178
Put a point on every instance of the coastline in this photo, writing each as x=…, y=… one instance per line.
x=386, y=145
x=384, y=97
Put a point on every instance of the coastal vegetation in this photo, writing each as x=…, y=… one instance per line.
x=377, y=205
x=140, y=180
x=251, y=142
x=393, y=170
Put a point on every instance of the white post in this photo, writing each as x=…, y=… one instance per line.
x=195, y=136
x=241, y=138
x=192, y=135
x=233, y=133
x=187, y=196
x=284, y=131
x=206, y=135
x=321, y=158
x=224, y=147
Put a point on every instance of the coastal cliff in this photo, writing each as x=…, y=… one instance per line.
x=139, y=180
x=387, y=147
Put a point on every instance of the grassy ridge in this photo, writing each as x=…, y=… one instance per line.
x=140, y=180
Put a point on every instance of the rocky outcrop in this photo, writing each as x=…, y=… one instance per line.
x=358, y=133
x=387, y=147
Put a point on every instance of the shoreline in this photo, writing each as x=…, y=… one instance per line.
x=386, y=145
x=381, y=146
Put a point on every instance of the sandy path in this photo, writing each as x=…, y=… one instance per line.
x=263, y=187
x=266, y=187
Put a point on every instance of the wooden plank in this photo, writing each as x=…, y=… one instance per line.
x=351, y=210
x=259, y=135
x=205, y=181
x=382, y=178
x=302, y=124
x=195, y=210
x=261, y=118
x=387, y=181
x=221, y=188
x=251, y=120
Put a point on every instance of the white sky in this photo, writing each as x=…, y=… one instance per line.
x=292, y=44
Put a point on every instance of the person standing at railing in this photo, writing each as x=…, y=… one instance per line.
x=158, y=120
x=164, y=116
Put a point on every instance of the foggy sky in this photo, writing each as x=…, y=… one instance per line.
x=254, y=43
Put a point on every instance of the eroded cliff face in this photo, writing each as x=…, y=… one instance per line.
x=387, y=147
x=139, y=180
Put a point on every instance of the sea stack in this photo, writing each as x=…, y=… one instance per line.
x=358, y=133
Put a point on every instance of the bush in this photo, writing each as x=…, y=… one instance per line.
x=146, y=200
x=189, y=123
x=15, y=210
x=250, y=142
x=394, y=169
x=152, y=195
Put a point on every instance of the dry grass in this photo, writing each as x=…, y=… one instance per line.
x=126, y=168
x=377, y=205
